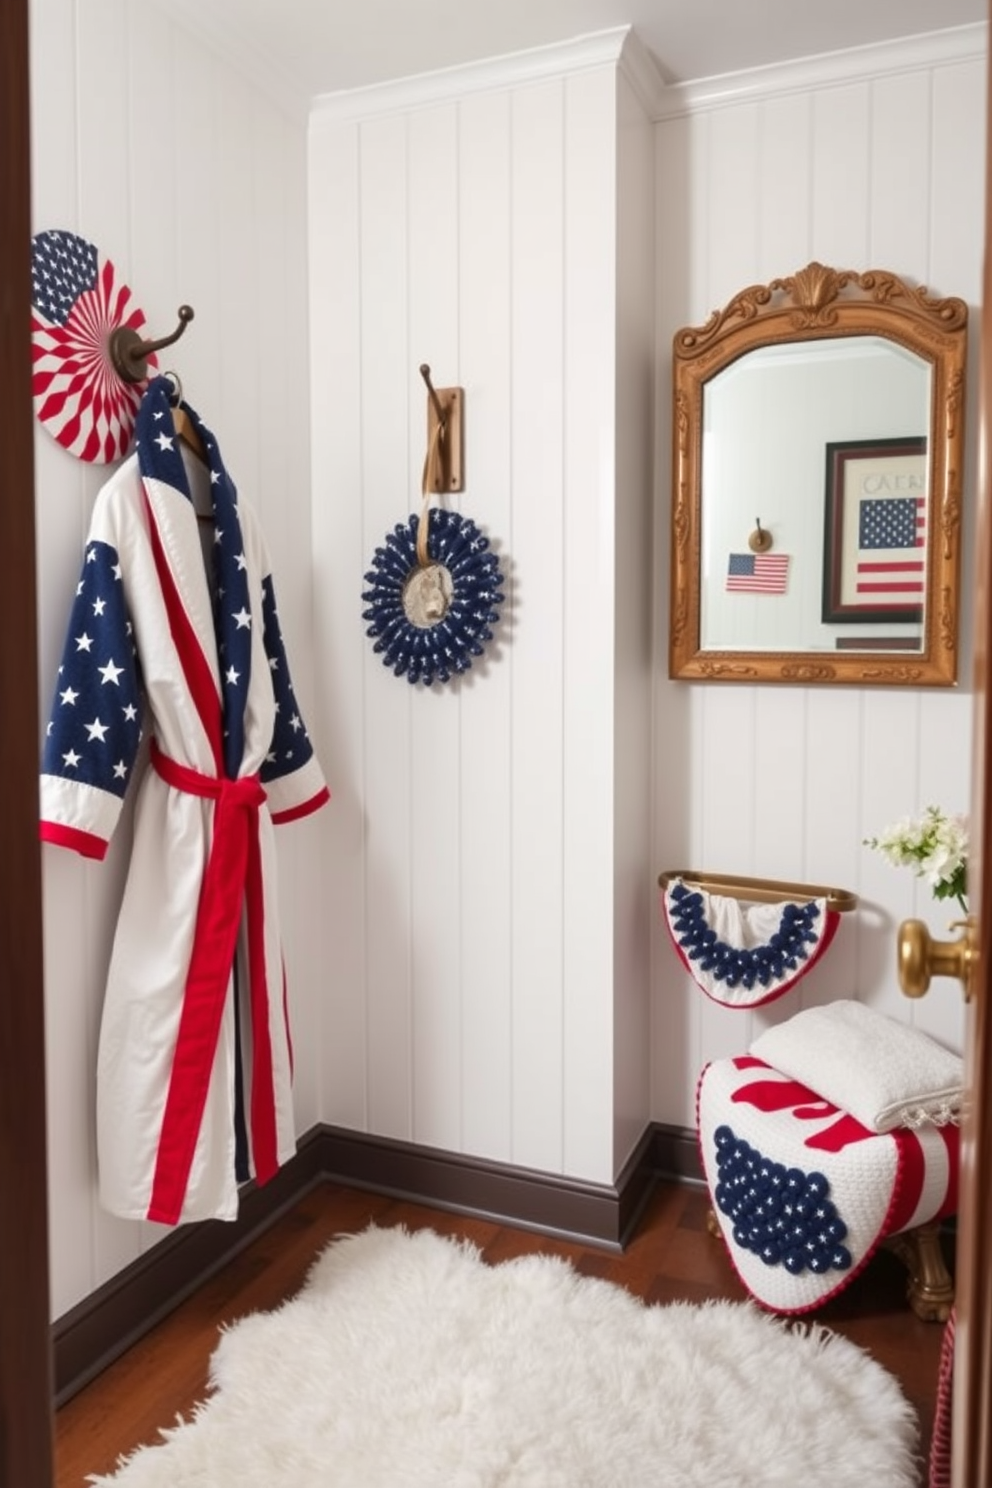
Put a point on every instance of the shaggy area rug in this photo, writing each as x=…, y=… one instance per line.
x=406, y=1362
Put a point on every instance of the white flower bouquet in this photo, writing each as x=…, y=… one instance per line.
x=935, y=846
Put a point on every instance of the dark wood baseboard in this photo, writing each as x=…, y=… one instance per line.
x=105, y=1324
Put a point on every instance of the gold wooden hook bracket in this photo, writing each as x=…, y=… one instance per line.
x=445, y=410
x=129, y=353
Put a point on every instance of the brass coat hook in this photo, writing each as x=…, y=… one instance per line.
x=129, y=353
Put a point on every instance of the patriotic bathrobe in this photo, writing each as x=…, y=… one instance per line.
x=195, y=1061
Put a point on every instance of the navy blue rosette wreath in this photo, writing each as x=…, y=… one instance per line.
x=743, y=957
x=434, y=590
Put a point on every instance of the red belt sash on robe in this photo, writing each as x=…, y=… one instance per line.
x=232, y=882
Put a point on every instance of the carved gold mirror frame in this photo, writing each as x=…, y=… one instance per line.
x=816, y=304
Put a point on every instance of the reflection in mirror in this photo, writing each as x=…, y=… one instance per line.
x=816, y=502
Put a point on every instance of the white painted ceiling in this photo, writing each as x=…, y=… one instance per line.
x=325, y=46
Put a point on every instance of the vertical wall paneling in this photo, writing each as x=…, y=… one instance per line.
x=341, y=553
x=958, y=182
x=633, y=869
x=104, y=159
x=841, y=176
x=679, y=213
x=54, y=204
x=790, y=781
x=487, y=229
x=485, y=353
x=388, y=492
x=281, y=492
x=537, y=477
x=901, y=127
x=235, y=410
x=784, y=186
x=733, y=186
x=436, y=714
x=588, y=554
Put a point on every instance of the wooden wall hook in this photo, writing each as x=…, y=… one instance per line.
x=760, y=540
x=445, y=407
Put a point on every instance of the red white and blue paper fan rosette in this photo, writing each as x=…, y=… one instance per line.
x=77, y=302
x=745, y=955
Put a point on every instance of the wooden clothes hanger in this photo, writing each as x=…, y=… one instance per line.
x=181, y=421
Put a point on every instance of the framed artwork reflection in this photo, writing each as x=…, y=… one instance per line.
x=874, y=534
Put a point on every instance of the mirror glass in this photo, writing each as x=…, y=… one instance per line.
x=817, y=472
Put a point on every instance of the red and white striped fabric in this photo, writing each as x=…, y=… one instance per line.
x=804, y=1193
x=77, y=301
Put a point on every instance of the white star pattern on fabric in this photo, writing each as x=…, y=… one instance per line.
x=85, y=740
x=243, y=618
x=231, y=675
x=163, y=441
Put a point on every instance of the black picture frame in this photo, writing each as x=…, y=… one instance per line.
x=865, y=581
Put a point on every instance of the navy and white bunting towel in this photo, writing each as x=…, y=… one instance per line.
x=745, y=955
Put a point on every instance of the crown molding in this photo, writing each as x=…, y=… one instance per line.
x=598, y=49
x=913, y=53
x=643, y=73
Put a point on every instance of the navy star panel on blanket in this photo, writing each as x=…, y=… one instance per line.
x=194, y=1069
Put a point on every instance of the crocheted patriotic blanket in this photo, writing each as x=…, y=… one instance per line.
x=802, y=1192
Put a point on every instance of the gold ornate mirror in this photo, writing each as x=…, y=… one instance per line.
x=816, y=504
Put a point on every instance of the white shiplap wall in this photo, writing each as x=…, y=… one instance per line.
x=193, y=181
x=873, y=160
x=469, y=884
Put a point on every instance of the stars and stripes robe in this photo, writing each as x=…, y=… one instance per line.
x=181, y=640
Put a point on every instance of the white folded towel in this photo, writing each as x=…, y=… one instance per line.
x=883, y=1072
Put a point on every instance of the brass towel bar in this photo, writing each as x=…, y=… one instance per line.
x=760, y=890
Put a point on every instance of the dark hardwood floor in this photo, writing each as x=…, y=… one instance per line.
x=672, y=1257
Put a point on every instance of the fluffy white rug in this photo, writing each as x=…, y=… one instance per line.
x=406, y=1362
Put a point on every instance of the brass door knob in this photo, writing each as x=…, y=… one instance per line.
x=921, y=957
